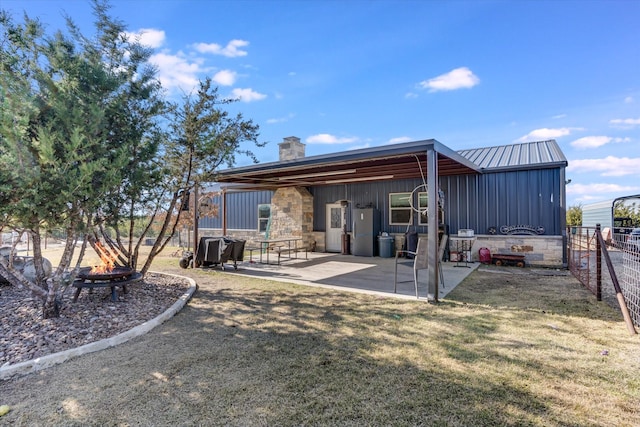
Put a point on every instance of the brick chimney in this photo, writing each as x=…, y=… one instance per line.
x=291, y=148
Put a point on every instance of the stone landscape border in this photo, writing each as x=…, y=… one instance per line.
x=30, y=366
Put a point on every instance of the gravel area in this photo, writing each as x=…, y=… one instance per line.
x=24, y=335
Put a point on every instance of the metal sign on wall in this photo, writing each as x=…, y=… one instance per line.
x=522, y=230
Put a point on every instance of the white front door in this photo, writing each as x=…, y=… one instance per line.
x=333, y=235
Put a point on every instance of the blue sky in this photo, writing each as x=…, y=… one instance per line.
x=352, y=74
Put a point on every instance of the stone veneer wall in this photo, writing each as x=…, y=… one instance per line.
x=291, y=148
x=539, y=251
x=319, y=239
x=292, y=215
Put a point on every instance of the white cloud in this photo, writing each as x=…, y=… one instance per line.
x=591, y=141
x=596, y=141
x=148, y=37
x=225, y=77
x=247, y=95
x=460, y=78
x=625, y=123
x=231, y=50
x=411, y=95
x=325, y=138
x=588, y=190
x=559, y=116
x=629, y=100
x=545, y=134
x=175, y=71
x=400, y=139
x=608, y=166
x=183, y=71
x=281, y=119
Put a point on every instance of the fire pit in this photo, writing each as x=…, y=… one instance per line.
x=107, y=274
x=117, y=273
x=117, y=276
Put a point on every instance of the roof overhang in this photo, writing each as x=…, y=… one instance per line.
x=390, y=162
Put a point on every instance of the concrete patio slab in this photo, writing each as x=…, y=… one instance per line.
x=373, y=275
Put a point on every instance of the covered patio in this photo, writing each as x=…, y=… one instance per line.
x=374, y=275
x=426, y=160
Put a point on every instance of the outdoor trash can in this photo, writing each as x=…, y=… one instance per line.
x=385, y=246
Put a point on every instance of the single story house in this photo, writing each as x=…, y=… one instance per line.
x=510, y=197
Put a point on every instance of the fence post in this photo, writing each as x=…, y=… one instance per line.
x=568, y=240
x=598, y=264
x=616, y=285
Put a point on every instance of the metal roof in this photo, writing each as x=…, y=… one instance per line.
x=529, y=155
x=397, y=161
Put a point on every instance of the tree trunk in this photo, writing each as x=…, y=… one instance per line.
x=53, y=285
x=159, y=245
x=51, y=308
x=16, y=278
x=37, y=255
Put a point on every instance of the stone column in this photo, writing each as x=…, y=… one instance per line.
x=292, y=214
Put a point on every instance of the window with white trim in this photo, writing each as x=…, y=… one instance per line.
x=264, y=215
x=399, y=209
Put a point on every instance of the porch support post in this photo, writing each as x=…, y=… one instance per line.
x=432, y=227
x=196, y=218
x=224, y=211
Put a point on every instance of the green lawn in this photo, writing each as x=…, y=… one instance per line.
x=507, y=347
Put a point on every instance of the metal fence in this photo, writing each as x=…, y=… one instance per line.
x=589, y=267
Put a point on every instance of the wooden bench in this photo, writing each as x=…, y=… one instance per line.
x=81, y=284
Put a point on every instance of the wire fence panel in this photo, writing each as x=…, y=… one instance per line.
x=630, y=277
x=581, y=252
x=585, y=265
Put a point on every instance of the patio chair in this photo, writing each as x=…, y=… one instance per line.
x=420, y=261
x=441, y=250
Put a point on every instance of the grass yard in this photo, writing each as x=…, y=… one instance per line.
x=527, y=348
x=500, y=351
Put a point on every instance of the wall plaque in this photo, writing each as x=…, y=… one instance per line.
x=522, y=230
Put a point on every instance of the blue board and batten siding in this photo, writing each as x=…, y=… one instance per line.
x=370, y=194
x=471, y=201
x=504, y=198
x=242, y=210
x=523, y=197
